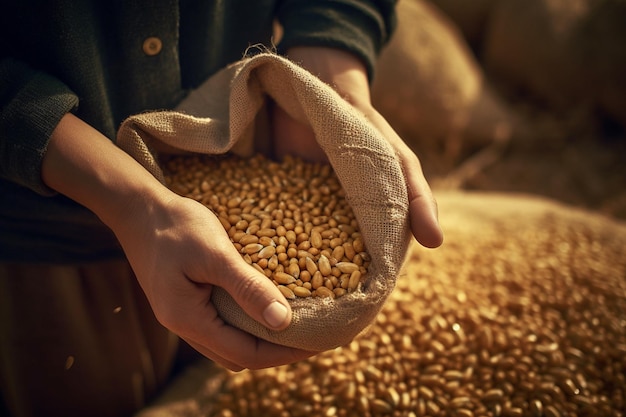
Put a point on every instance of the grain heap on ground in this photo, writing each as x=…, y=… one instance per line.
x=290, y=220
x=522, y=312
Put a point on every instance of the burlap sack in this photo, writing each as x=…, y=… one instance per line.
x=226, y=107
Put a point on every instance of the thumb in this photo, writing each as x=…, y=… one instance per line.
x=423, y=212
x=257, y=295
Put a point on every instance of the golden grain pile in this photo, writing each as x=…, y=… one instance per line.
x=522, y=312
x=290, y=220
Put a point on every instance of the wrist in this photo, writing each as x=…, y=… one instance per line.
x=87, y=167
x=342, y=70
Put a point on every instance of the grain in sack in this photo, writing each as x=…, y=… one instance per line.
x=224, y=110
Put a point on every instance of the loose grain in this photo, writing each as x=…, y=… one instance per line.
x=499, y=322
x=289, y=220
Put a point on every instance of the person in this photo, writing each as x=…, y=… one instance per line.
x=102, y=269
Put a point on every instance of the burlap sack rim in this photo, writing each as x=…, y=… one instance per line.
x=360, y=308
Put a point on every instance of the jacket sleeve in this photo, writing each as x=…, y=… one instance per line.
x=361, y=27
x=32, y=103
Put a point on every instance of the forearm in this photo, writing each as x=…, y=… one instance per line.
x=87, y=167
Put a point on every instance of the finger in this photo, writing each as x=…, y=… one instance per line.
x=423, y=211
x=254, y=292
x=294, y=138
x=237, y=350
x=213, y=356
x=195, y=319
x=265, y=355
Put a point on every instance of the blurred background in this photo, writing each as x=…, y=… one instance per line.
x=513, y=95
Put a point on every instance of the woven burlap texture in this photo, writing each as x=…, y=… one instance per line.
x=219, y=117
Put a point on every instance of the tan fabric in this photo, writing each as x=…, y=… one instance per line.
x=78, y=341
x=365, y=163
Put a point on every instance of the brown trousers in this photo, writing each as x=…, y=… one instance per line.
x=78, y=341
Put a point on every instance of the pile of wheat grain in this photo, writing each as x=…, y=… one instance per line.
x=522, y=312
x=290, y=219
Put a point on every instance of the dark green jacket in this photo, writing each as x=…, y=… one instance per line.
x=95, y=58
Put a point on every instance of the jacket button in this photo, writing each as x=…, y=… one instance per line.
x=152, y=46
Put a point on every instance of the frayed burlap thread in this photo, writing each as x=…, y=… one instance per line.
x=219, y=117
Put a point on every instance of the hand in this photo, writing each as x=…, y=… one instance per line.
x=347, y=75
x=179, y=252
x=294, y=138
x=177, y=248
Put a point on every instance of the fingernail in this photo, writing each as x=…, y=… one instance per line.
x=275, y=314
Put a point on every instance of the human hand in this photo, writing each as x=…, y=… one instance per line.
x=179, y=252
x=177, y=248
x=290, y=137
x=347, y=75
